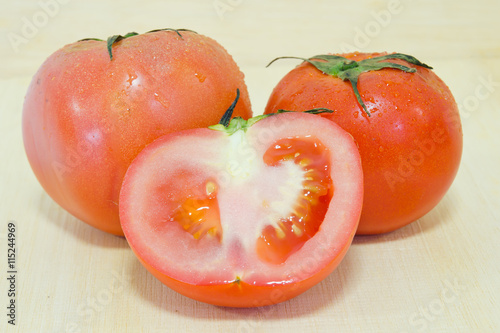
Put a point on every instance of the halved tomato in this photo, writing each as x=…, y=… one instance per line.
x=244, y=215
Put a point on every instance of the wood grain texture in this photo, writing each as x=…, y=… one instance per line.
x=439, y=274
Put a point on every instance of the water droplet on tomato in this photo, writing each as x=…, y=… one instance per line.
x=200, y=77
x=131, y=78
x=162, y=100
x=297, y=93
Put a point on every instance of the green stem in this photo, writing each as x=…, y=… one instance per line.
x=115, y=39
x=226, y=118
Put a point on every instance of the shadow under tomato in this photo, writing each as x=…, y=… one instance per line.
x=76, y=228
x=329, y=292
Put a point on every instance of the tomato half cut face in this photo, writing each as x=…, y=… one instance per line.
x=244, y=218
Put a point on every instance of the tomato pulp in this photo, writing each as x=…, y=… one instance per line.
x=244, y=215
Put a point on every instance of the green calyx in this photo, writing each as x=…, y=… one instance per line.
x=231, y=126
x=346, y=69
x=116, y=38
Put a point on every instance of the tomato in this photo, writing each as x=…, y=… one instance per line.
x=404, y=120
x=89, y=111
x=246, y=215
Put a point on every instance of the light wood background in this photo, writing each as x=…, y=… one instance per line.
x=439, y=274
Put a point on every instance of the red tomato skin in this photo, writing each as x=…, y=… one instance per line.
x=410, y=147
x=244, y=295
x=86, y=117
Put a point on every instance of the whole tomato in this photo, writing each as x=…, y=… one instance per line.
x=94, y=105
x=403, y=118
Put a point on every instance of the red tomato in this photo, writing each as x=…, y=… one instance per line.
x=410, y=143
x=86, y=116
x=246, y=215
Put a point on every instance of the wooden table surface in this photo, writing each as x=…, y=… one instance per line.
x=439, y=274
